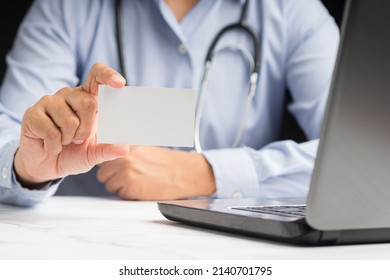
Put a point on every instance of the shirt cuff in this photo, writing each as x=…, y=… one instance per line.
x=11, y=190
x=234, y=171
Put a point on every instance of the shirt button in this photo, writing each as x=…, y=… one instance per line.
x=237, y=195
x=182, y=49
x=4, y=173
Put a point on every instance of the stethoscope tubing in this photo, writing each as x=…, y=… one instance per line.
x=254, y=62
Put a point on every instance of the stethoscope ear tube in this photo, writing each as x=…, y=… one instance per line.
x=199, y=109
x=238, y=26
x=252, y=90
x=254, y=74
x=119, y=38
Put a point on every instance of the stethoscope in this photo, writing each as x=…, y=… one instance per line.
x=253, y=60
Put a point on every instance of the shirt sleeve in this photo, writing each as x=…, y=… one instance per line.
x=279, y=169
x=284, y=168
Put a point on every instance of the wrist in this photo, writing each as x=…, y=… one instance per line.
x=23, y=177
x=204, y=182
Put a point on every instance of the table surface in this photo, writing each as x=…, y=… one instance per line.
x=105, y=228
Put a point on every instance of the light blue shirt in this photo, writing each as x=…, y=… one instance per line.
x=59, y=41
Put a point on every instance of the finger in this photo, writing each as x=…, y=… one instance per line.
x=106, y=171
x=85, y=107
x=38, y=125
x=102, y=74
x=129, y=192
x=113, y=185
x=64, y=118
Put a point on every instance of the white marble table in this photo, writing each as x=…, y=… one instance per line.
x=98, y=228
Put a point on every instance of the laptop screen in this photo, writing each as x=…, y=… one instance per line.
x=351, y=181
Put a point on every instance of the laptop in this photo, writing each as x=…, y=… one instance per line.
x=349, y=196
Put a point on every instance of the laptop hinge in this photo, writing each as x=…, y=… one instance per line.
x=329, y=236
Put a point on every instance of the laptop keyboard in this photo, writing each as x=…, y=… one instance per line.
x=298, y=211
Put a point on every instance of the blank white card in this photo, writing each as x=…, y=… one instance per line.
x=146, y=116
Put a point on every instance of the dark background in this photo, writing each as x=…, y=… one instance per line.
x=12, y=13
x=10, y=16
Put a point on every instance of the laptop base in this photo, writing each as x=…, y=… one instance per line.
x=286, y=230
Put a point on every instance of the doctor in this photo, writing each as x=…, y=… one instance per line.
x=65, y=49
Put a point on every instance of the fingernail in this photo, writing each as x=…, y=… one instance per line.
x=118, y=79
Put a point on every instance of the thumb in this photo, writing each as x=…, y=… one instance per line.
x=106, y=152
x=102, y=74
